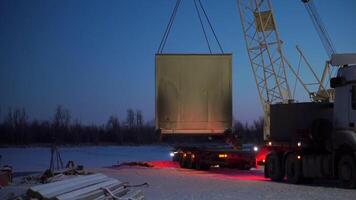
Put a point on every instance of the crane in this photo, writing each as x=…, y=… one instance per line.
x=268, y=62
x=265, y=53
x=302, y=143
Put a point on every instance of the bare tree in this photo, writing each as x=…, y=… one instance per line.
x=61, y=117
x=113, y=127
x=113, y=122
x=16, y=128
x=20, y=117
x=60, y=125
x=9, y=119
x=139, y=119
x=130, y=119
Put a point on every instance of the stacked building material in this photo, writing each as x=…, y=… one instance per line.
x=5, y=175
x=95, y=186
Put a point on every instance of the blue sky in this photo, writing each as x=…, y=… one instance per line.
x=96, y=58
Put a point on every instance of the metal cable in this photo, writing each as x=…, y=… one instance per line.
x=202, y=26
x=211, y=27
x=171, y=24
x=171, y=20
x=168, y=28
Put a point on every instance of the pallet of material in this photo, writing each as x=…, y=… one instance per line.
x=95, y=186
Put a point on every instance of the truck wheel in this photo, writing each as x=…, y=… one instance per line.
x=190, y=161
x=293, y=169
x=201, y=165
x=347, y=172
x=177, y=157
x=183, y=161
x=244, y=166
x=274, y=168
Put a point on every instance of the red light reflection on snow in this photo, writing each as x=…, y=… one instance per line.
x=219, y=173
x=242, y=175
x=261, y=155
x=164, y=164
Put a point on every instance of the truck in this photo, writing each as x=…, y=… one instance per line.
x=194, y=111
x=304, y=140
x=316, y=139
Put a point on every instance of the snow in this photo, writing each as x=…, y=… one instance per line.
x=174, y=183
x=38, y=158
x=168, y=181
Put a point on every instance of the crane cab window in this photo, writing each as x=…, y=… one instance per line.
x=353, y=97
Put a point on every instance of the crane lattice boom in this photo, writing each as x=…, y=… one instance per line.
x=264, y=48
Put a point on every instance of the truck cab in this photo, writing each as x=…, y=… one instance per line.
x=344, y=113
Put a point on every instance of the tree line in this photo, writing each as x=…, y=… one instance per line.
x=17, y=129
x=250, y=133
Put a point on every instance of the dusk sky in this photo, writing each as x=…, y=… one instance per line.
x=96, y=58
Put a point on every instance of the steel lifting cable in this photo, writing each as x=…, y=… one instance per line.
x=202, y=26
x=211, y=27
x=168, y=28
x=171, y=20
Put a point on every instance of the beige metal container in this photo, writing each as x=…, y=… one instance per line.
x=193, y=93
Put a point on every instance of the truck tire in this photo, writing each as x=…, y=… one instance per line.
x=347, y=172
x=183, y=161
x=293, y=169
x=244, y=166
x=201, y=165
x=191, y=162
x=273, y=168
x=177, y=157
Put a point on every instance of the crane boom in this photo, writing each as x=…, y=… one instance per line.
x=264, y=48
x=319, y=27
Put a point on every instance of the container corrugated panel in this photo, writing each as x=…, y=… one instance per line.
x=193, y=93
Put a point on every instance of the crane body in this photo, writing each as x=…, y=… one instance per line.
x=306, y=140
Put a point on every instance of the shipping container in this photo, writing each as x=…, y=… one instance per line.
x=193, y=94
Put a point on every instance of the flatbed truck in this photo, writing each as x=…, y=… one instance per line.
x=194, y=110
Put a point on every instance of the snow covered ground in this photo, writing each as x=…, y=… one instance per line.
x=170, y=182
x=38, y=158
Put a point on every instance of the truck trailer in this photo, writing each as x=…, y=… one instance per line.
x=194, y=110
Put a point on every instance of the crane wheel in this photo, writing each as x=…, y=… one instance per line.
x=347, y=172
x=273, y=168
x=293, y=169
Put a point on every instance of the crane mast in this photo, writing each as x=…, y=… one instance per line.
x=265, y=53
